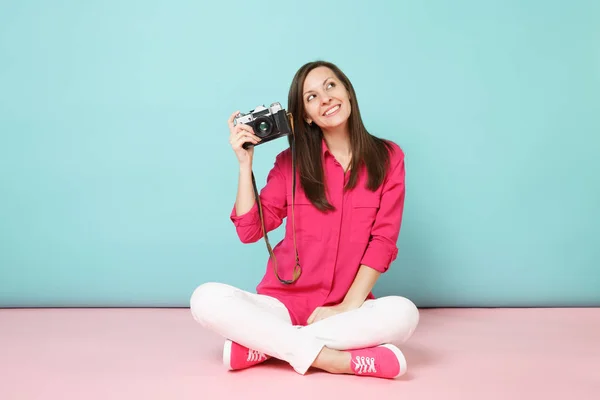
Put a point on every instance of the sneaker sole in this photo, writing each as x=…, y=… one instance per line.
x=227, y=354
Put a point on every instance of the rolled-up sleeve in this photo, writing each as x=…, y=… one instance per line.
x=382, y=249
x=274, y=205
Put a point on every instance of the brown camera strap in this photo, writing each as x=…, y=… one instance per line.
x=297, y=268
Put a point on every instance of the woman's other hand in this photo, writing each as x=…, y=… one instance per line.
x=321, y=313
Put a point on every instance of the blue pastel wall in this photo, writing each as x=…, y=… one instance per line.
x=117, y=179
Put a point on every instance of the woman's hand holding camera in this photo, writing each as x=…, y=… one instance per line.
x=238, y=135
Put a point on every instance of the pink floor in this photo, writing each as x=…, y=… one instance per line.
x=163, y=354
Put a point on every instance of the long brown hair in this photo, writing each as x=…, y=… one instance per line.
x=367, y=150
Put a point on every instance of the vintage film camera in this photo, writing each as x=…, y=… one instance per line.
x=268, y=123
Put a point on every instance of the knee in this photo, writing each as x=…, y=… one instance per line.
x=205, y=299
x=405, y=316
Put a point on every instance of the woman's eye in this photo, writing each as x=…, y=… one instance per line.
x=331, y=84
x=309, y=97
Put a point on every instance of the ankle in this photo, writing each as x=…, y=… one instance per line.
x=333, y=361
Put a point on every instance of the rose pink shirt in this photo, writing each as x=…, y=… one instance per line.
x=332, y=246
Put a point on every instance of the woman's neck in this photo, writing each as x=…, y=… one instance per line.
x=338, y=142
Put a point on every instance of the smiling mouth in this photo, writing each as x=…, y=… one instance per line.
x=332, y=110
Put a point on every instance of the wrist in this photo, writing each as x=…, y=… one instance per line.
x=246, y=167
x=351, y=304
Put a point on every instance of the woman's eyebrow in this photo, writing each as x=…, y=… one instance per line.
x=323, y=84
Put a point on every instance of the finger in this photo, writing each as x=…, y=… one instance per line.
x=245, y=127
x=231, y=118
x=239, y=135
x=326, y=313
x=320, y=316
x=240, y=142
x=245, y=136
x=312, y=316
x=249, y=133
x=236, y=130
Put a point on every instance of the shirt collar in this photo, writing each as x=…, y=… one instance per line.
x=324, y=148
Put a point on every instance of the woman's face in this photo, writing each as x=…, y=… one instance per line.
x=326, y=101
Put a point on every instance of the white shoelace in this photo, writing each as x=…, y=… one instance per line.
x=254, y=355
x=365, y=365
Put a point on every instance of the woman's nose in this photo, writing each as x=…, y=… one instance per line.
x=325, y=99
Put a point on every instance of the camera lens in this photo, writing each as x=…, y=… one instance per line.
x=263, y=127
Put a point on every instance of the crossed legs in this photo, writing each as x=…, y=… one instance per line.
x=262, y=323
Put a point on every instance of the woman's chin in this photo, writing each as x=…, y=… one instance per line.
x=334, y=124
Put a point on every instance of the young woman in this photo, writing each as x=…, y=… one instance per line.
x=347, y=214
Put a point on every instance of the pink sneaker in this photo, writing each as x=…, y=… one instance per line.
x=385, y=361
x=236, y=356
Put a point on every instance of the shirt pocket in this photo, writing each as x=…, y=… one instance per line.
x=308, y=220
x=364, y=212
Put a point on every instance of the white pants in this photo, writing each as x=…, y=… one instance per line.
x=262, y=323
